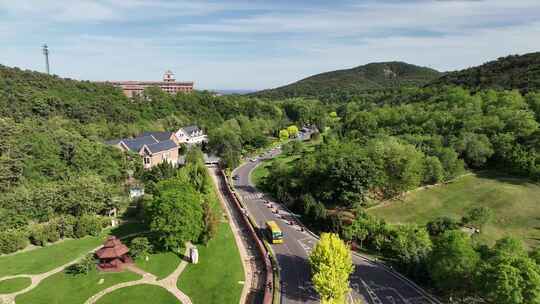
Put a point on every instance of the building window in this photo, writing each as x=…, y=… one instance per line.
x=147, y=160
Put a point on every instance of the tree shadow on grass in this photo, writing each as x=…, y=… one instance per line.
x=504, y=178
x=128, y=228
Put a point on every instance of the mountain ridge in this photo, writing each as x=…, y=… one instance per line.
x=521, y=72
x=371, y=76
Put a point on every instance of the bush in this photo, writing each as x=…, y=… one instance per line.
x=211, y=222
x=88, y=225
x=433, y=170
x=12, y=241
x=440, y=225
x=105, y=222
x=51, y=231
x=139, y=246
x=38, y=236
x=66, y=226
x=82, y=267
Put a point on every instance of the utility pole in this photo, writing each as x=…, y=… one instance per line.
x=46, y=53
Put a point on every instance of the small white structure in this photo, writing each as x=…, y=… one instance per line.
x=194, y=255
x=136, y=192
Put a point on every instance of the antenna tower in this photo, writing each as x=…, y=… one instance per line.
x=46, y=53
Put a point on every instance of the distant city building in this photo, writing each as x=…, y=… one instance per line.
x=169, y=85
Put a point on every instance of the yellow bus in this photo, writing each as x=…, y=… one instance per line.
x=274, y=233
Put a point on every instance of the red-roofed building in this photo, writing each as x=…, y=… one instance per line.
x=113, y=255
x=169, y=85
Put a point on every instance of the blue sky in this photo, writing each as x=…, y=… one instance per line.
x=258, y=44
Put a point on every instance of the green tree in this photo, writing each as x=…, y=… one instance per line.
x=139, y=246
x=293, y=131
x=535, y=255
x=509, y=276
x=476, y=148
x=331, y=266
x=442, y=224
x=453, y=262
x=411, y=246
x=283, y=135
x=176, y=214
x=433, y=170
x=478, y=216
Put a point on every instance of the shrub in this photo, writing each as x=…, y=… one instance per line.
x=12, y=240
x=88, y=225
x=82, y=267
x=140, y=246
x=66, y=226
x=105, y=221
x=38, y=235
x=433, y=170
x=440, y=225
x=51, y=232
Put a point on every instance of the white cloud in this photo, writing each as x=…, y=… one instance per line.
x=262, y=49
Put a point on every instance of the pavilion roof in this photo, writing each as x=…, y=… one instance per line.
x=113, y=248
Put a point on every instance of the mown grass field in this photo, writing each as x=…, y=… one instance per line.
x=63, y=288
x=215, y=279
x=13, y=285
x=159, y=264
x=515, y=203
x=139, y=294
x=261, y=172
x=47, y=258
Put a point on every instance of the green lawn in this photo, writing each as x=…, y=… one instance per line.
x=160, y=264
x=63, y=288
x=47, y=258
x=215, y=279
x=515, y=204
x=261, y=172
x=13, y=285
x=139, y=294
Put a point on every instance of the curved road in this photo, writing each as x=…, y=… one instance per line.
x=372, y=282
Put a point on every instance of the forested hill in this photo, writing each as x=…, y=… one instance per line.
x=25, y=94
x=520, y=72
x=369, y=77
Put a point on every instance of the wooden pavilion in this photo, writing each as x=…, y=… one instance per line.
x=113, y=255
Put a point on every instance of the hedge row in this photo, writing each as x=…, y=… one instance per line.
x=40, y=234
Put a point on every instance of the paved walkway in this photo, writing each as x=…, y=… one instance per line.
x=168, y=283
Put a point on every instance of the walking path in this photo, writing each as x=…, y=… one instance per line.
x=36, y=279
x=169, y=283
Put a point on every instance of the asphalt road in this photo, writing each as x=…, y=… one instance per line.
x=370, y=281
